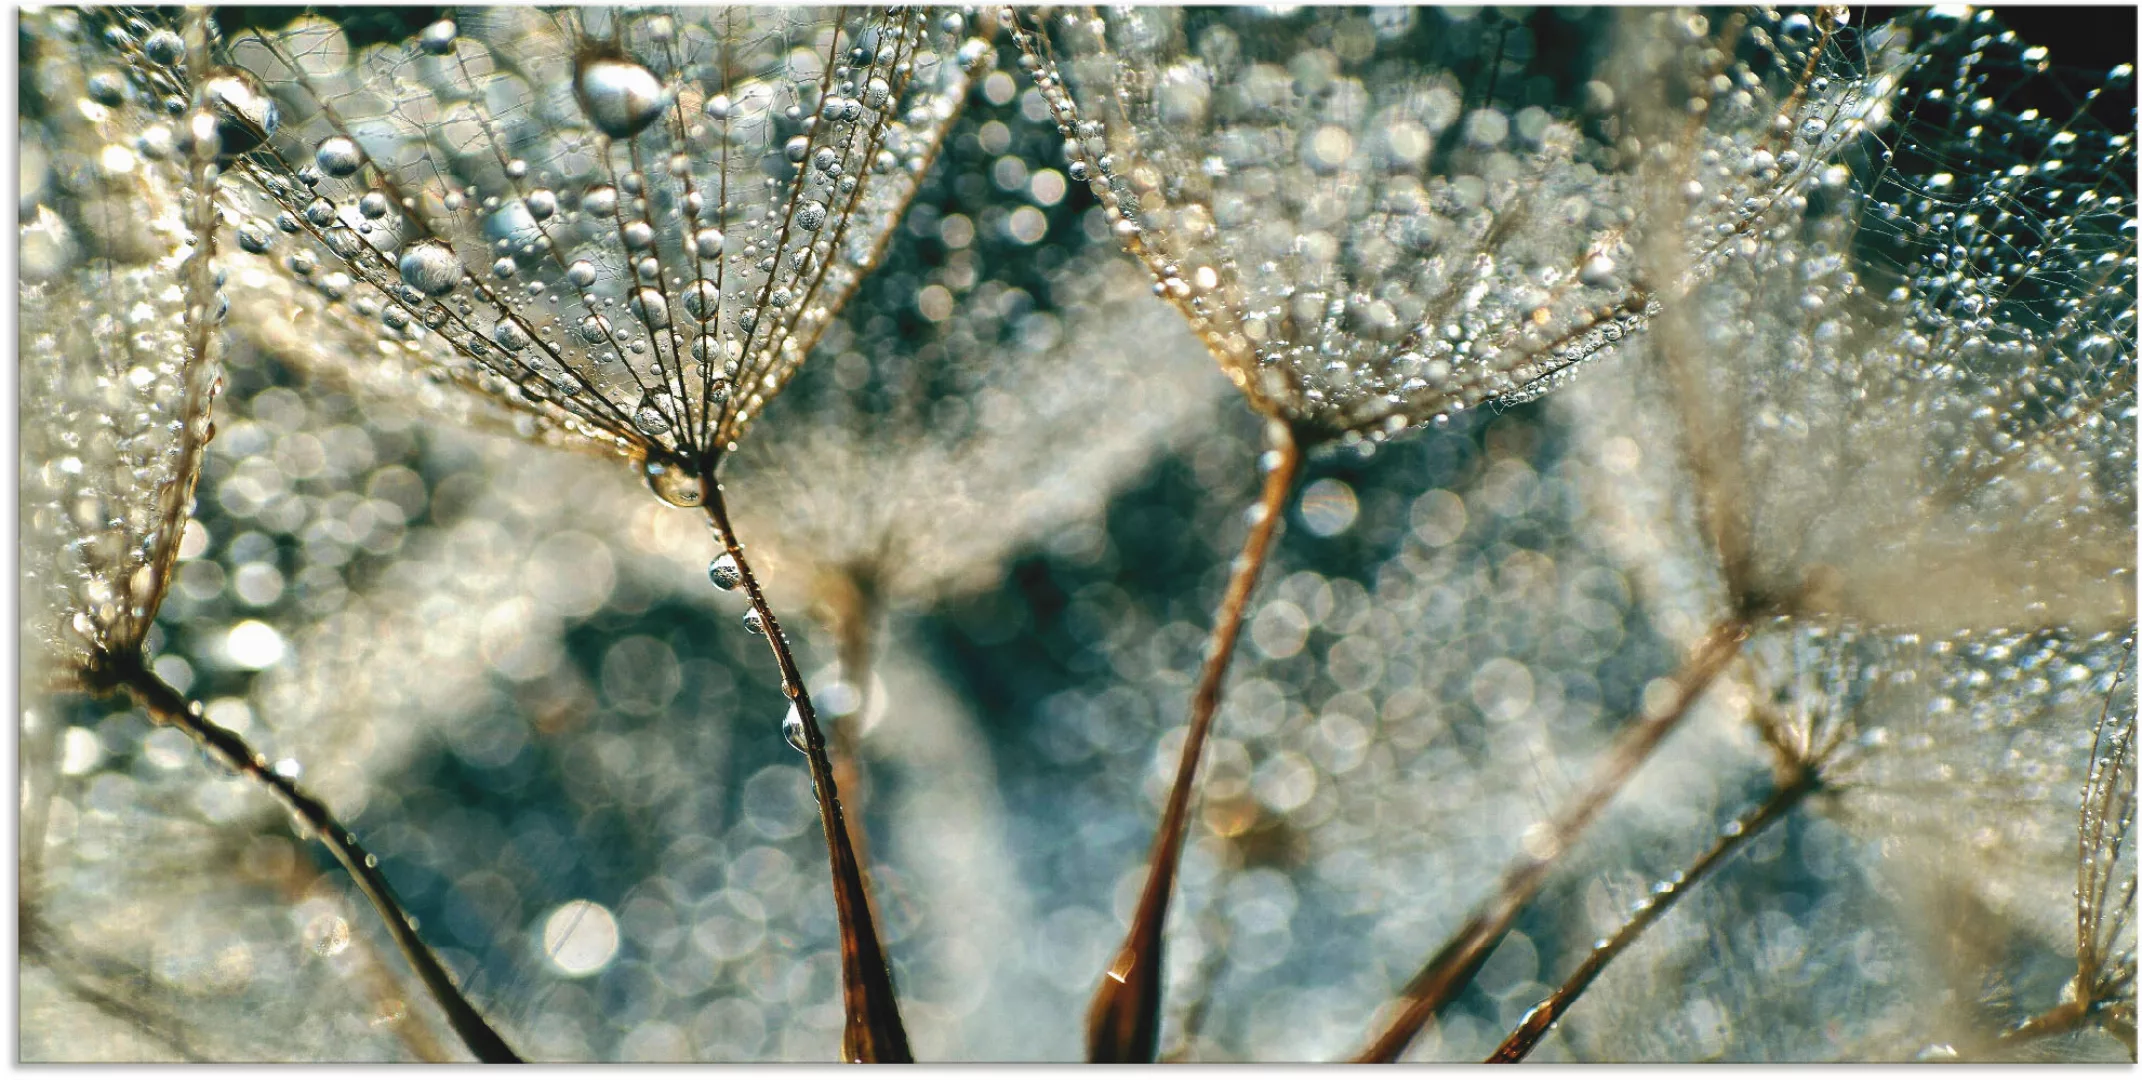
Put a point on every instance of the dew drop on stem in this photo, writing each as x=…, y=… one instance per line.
x=724, y=572
x=792, y=730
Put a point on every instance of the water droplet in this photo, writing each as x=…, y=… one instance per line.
x=244, y=113
x=430, y=268
x=797, y=148
x=792, y=730
x=650, y=417
x=107, y=88
x=373, y=205
x=255, y=237
x=754, y=623
x=621, y=97
x=600, y=201
x=810, y=216
x=164, y=47
x=338, y=156
x=509, y=336
x=724, y=572
x=438, y=38
x=875, y=93
x=542, y=203
x=701, y=301
x=581, y=274
x=651, y=307
x=672, y=483
x=706, y=243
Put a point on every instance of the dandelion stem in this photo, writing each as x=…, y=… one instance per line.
x=1123, y=1023
x=1650, y=910
x=873, y=1032
x=167, y=706
x=1452, y=968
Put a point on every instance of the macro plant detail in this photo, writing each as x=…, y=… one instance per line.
x=1694, y=509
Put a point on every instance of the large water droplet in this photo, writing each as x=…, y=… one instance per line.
x=600, y=201
x=621, y=97
x=724, y=572
x=509, y=336
x=245, y=114
x=338, y=156
x=701, y=301
x=581, y=274
x=792, y=730
x=810, y=216
x=438, y=38
x=164, y=47
x=430, y=268
x=754, y=622
x=672, y=483
x=875, y=92
x=650, y=417
x=651, y=307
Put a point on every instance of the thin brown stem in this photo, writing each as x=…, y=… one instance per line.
x=873, y=1031
x=167, y=706
x=1651, y=909
x=1123, y=1022
x=1452, y=968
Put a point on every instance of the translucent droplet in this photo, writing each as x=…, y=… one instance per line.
x=542, y=203
x=792, y=730
x=509, y=336
x=810, y=216
x=244, y=113
x=430, y=268
x=701, y=301
x=600, y=201
x=164, y=46
x=706, y=243
x=621, y=97
x=650, y=417
x=581, y=274
x=338, y=156
x=438, y=38
x=255, y=237
x=754, y=623
x=651, y=307
x=797, y=148
x=875, y=93
x=724, y=572
x=373, y=205
x=672, y=483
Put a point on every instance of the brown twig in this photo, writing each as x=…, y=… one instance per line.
x=1452, y=968
x=166, y=705
x=1123, y=1023
x=874, y=1031
x=1651, y=909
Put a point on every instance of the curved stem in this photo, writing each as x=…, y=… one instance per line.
x=1451, y=969
x=1123, y=1022
x=166, y=705
x=1732, y=838
x=874, y=1031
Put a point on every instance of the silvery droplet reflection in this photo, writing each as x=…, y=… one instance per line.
x=338, y=156
x=438, y=38
x=672, y=483
x=164, y=47
x=724, y=572
x=650, y=417
x=754, y=623
x=619, y=96
x=430, y=268
x=245, y=114
x=792, y=730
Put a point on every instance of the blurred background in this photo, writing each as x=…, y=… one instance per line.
x=505, y=667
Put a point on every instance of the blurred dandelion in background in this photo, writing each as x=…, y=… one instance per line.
x=1705, y=629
